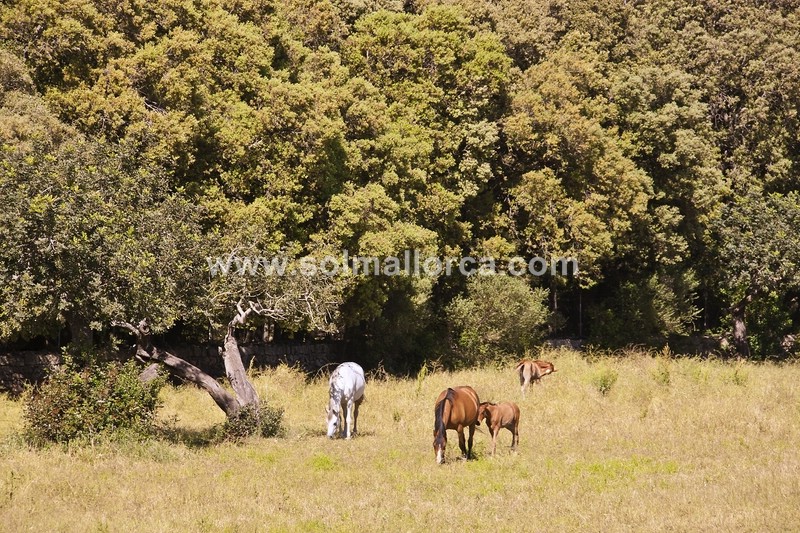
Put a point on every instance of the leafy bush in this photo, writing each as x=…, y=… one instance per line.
x=271, y=424
x=500, y=316
x=266, y=421
x=84, y=403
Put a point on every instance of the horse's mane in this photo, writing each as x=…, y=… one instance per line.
x=438, y=423
x=334, y=393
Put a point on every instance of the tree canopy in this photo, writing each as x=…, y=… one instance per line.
x=655, y=142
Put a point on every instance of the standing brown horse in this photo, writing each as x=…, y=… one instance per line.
x=498, y=416
x=455, y=409
x=532, y=371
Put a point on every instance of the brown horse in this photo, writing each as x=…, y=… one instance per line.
x=500, y=415
x=532, y=371
x=455, y=408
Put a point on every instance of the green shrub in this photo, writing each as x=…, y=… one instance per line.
x=271, y=422
x=266, y=421
x=603, y=380
x=737, y=376
x=661, y=374
x=500, y=316
x=84, y=403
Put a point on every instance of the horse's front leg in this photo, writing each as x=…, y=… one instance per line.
x=471, y=433
x=462, y=443
x=349, y=422
x=343, y=418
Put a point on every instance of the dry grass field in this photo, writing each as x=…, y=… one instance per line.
x=671, y=445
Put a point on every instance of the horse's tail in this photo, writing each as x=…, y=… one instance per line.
x=438, y=423
x=520, y=365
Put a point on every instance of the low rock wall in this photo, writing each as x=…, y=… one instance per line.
x=19, y=368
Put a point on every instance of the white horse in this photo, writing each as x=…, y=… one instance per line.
x=347, y=392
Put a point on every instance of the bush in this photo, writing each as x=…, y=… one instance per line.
x=85, y=403
x=266, y=421
x=661, y=374
x=603, y=379
x=500, y=316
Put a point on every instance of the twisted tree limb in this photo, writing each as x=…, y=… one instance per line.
x=177, y=366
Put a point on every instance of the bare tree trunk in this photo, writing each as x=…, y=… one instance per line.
x=145, y=350
x=234, y=369
x=189, y=372
x=282, y=306
x=740, y=326
x=150, y=373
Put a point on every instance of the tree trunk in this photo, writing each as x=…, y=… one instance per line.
x=177, y=366
x=81, y=335
x=246, y=394
x=189, y=372
x=234, y=369
x=740, y=326
x=150, y=373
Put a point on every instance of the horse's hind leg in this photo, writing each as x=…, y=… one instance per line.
x=525, y=378
x=355, y=415
x=462, y=443
x=349, y=419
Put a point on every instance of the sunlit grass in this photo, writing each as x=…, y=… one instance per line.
x=671, y=444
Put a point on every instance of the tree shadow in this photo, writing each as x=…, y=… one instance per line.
x=189, y=437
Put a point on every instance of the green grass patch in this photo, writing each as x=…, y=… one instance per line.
x=322, y=463
x=608, y=473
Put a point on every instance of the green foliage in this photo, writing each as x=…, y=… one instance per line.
x=661, y=373
x=759, y=252
x=603, y=379
x=92, y=237
x=95, y=401
x=576, y=194
x=135, y=140
x=272, y=424
x=265, y=421
x=500, y=316
x=759, y=244
x=738, y=375
x=649, y=312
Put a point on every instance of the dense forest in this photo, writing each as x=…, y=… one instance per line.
x=655, y=141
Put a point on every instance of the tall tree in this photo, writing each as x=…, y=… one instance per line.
x=759, y=255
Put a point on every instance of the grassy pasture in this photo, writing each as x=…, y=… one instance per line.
x=634, y=444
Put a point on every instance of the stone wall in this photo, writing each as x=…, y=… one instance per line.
x=308, y=356
x=20, y=368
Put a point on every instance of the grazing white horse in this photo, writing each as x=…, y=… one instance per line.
x=347, y=392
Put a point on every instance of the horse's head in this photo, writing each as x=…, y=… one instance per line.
x=545, y=367
x=333, y=419
x=439, y=444
x=484, y=413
